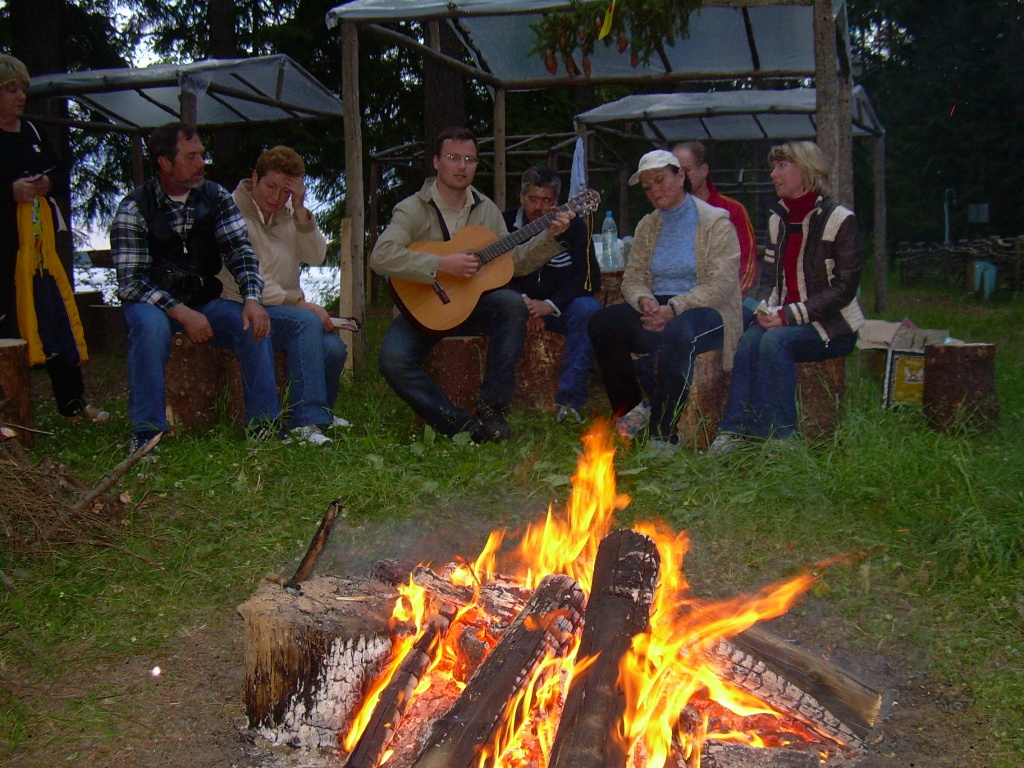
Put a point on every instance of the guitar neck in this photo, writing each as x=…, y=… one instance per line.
x=520, y=236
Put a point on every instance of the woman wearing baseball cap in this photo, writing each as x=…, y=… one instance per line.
x=682, y=298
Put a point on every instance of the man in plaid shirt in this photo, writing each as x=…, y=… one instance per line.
x=168, y=240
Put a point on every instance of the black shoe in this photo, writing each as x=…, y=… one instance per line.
x=477, y=433
x=269, y=431
x=139, y=439
x=492, y=421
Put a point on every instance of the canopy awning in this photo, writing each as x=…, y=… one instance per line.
x=724, y=40
x=227, y=91
x=730, y=115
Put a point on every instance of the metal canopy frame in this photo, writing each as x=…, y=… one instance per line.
x=214, y=92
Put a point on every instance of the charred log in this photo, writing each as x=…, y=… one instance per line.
x=394, y=700
x=545, y=627
x=799, y=683
x=625, y=576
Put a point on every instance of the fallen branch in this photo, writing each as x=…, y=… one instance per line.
x=108, y=545
x=86, y=501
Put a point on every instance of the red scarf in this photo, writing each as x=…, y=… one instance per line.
x=798, y=208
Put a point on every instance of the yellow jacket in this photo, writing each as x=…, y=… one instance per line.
x=37, y=252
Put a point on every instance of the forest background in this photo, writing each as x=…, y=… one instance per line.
x=943, y=75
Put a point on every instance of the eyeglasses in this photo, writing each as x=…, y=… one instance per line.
x=467, y=159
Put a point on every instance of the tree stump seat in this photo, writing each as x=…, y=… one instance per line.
x=705, y=404
x=821, y=389
x=457, y=364
x=203, y=383
x=15, y=388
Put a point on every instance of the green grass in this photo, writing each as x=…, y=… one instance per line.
x=939, y=516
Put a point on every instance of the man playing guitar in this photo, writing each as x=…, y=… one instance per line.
x=434, y=216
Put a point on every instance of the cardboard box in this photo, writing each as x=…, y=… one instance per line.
x=903, y=345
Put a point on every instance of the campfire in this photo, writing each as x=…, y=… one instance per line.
x=585, y=647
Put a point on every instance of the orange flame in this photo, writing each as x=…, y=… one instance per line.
x=569, y=546
x=666, y=667
x=410, y=608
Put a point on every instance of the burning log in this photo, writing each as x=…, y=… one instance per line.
x=799, y=683
x=501, y=598
x=394, y=700
x=625, y=575
x=544, y=627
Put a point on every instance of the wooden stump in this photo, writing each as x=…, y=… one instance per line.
x=457, y=364
x=309, y=656
x=611, y=292
x=204, y=383
x=537, y=371
x=960, y=386
x=194, y=383
x=821, y=389
x=705, y=403
x=16, y=389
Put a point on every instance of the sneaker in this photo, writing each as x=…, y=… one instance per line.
x=91, y=413
x=492, y=420
x=337, y=421
x=632, y=423
x=311, y=435
x=725, y=442
x=568, y=413
x=138, y=442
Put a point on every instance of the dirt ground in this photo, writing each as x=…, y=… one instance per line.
x=191, y=714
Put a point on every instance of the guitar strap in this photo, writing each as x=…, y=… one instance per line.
x=440, y=220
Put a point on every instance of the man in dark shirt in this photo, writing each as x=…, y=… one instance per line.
x=168, y=240
x=560, y=294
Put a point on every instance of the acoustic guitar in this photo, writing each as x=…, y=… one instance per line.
x=438, y=307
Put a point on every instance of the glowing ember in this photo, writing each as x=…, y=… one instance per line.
x=675, y=695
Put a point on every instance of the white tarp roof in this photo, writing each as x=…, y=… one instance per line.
x=262, y=89
x=780, y=37
x=730, y=115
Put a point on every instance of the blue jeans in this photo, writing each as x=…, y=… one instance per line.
x=149, y=347
x=666, y=372
x=315, y=361
x=578, y=355
x=762, y=390
x=501, y=316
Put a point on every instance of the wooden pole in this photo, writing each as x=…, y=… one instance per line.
x=348, y=306
x=825, y=85
x=355, y=205
x=500, y=164
x=881, y=229
x=138, y=162
x=189, y=107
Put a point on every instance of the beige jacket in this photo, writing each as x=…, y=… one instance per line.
x=415, y=220
x=717, y=250
x=282, y=246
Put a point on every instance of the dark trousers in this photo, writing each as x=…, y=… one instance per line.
x=665, y=372
x=68, y=387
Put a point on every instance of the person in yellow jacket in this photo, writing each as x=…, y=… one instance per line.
x=36, y=300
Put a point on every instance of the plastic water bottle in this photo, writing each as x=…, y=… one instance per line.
x=610, y=244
